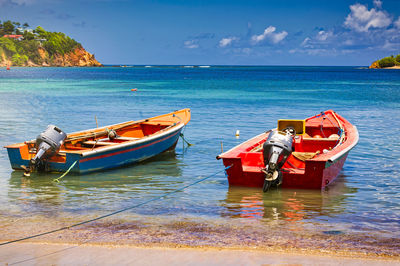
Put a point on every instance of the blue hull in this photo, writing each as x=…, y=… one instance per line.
x=117, y=156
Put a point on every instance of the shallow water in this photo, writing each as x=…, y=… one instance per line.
x=363, y=201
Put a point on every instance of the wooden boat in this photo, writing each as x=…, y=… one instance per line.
x=318, y=151
x=99, y=148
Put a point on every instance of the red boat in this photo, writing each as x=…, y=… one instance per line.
x=305, y=154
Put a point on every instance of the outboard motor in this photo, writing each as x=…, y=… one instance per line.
x=47, y=144
x=277, y=149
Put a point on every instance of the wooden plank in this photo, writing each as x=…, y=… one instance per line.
x=127, y=138
x=92, y=142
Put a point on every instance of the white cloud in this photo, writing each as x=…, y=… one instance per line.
x=378, y=3
x=323, y=35
x=390, y=46
x=397, y=23
x=16, y=2
x=322, y=38
x=241, y=51
x=269, y=33
x=306, y=42
x=371, y=30
x=224, y=42
x=361, y=19
x=348, y=42
x=279, y=36
x=191, y=44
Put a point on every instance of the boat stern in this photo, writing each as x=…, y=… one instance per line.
x=15, y=152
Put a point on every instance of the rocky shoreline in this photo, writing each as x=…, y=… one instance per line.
x=376, y=66
x=391, y=62
x=78, y=57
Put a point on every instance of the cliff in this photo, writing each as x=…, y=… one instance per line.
x=374, y=65
x=78, y=57
x=27, y=47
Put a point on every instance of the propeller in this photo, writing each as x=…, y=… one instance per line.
x=27, y=170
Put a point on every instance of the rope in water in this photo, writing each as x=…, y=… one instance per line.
x=69, y=169
x=181, y=134
x=187, y=142
x=116, y=212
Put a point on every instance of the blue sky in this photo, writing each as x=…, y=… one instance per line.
x=253, y=32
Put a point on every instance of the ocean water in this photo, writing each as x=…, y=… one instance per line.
x=362, y=206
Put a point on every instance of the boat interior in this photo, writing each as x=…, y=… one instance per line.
x=313, y=137
x=99, y=138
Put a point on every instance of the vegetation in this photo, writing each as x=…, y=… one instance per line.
x=389, y=61
x=398, y=58
x=56, y=42
x=28, y=47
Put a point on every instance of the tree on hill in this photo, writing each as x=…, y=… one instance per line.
x=8, y=46
x=28, y=35
x=22, y=51
x=389, y=61
x=8, y=27
x=57, y=42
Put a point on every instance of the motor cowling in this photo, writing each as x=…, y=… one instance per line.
x=47, y=144
x=277, y=148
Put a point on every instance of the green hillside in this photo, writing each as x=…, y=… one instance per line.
x=389, y=61
x=20, y=45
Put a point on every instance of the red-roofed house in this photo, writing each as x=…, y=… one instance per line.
x=15, y=37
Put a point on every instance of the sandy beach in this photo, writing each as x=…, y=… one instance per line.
x=166, y=242
x=68, y=254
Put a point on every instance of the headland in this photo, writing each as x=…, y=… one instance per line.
x=390, y=62
x=21, y=46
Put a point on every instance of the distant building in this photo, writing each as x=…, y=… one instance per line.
x=24, y=30
x=15, y=37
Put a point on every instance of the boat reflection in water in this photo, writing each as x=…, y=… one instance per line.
x=291, y=205
x=100, y=190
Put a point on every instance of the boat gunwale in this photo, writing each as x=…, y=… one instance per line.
x=129, y=123
x=93, y=130
x=127, y=144
x=334, y=154
x=224, y=154
x=338, y=151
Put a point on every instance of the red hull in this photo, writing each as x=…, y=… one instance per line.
x=315, y=173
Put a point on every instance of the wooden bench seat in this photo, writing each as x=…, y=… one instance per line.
x=92, y=142
x=126, y=138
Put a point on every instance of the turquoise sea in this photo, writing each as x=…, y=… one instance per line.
x=359, y=212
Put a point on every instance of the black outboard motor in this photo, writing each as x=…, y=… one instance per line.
x=47, y=144
x=277, y=149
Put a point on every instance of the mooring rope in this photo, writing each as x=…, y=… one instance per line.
x=69, y=169
x=116, y=212
x=187, y=142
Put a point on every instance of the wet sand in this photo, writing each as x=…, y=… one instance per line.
x=148, y=240
x=67, y=254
